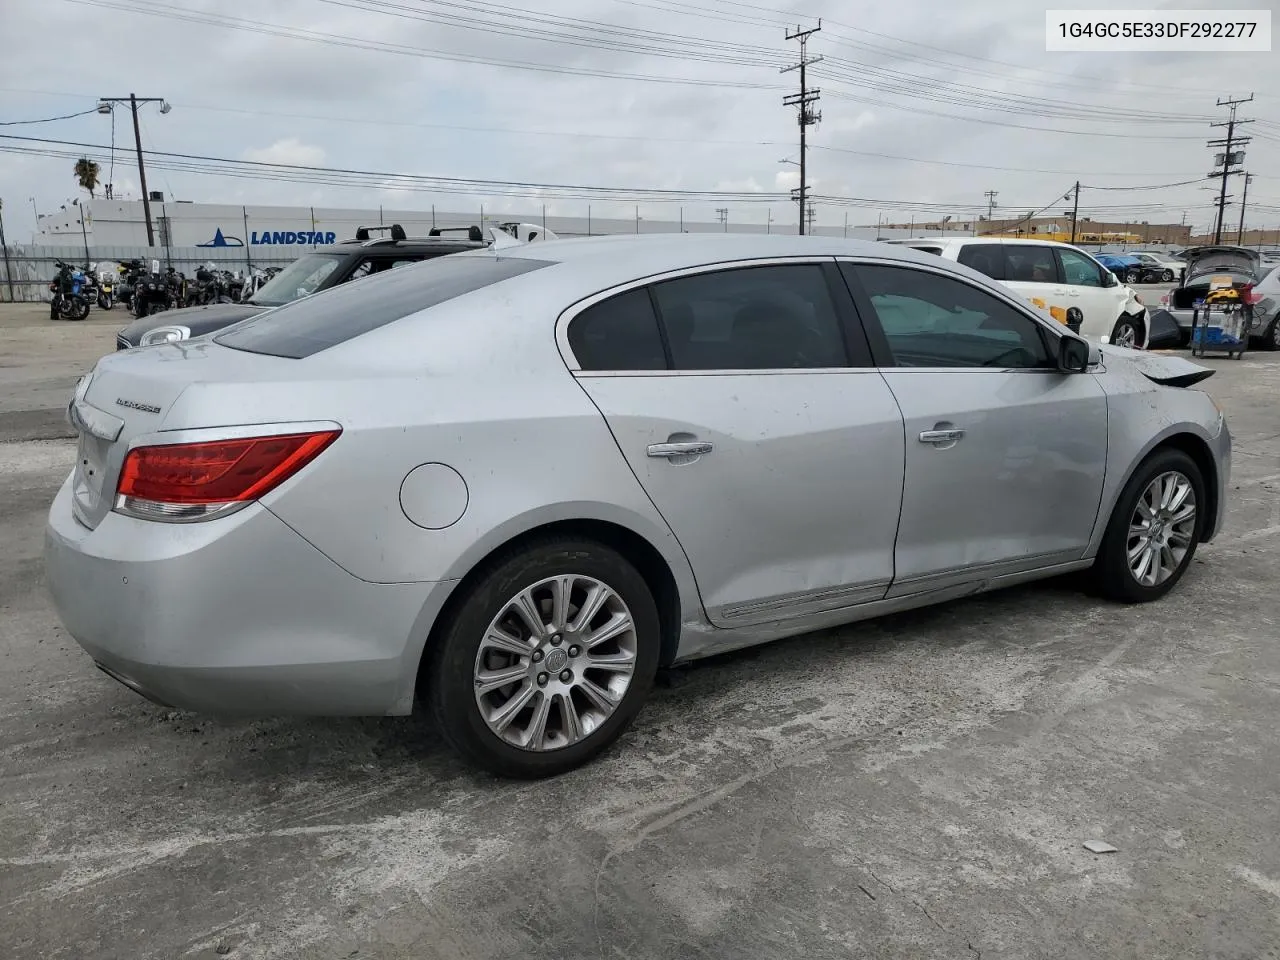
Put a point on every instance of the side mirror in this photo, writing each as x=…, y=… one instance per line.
x=1109, y=279
x=1073, y=355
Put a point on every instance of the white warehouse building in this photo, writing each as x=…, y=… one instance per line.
x=122, y=223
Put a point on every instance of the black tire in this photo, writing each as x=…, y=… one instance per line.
x=1270, y=339
x=1111, y=574
x=1132, y=276
x=449, y=683
x=1127, y=322
x=79, y=308
x=1166, y=277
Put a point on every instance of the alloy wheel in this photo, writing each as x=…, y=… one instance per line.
x=555, y=662
x=1125, y=335
x=1161, y=528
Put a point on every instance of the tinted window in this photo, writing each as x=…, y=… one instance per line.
x=307, y=326
x=1078, y=270
x=1028, y=263
x=935, y=321
x=752, y=318
x=620, y=333
x=987, y=258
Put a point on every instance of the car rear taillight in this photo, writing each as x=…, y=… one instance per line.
x=1250, y=295
x=198, y=481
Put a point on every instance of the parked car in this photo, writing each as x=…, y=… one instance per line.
x=1057, y=275
x=1236, y=267
x=1166, y=268
x=310, y=273
x=1130, y=268
x=511, y=483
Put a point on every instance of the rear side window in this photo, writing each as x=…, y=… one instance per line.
x=1029, y=263
x=752, y=318
x=312, y=324
x=986, y=258
x=620, y=333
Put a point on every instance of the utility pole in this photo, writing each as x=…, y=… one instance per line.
x=104, y=106
x=722, y=214
x=810, y=215
x=1248, y=178
x=991, y=203
x=1229, y=157
x=768, y=220
x=803, y=101
x=1075, y=212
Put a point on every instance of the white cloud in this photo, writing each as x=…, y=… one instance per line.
x=291, y=150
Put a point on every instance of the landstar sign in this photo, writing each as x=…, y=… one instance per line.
x=305, y=237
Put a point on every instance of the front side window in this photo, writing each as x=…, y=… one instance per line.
x=932, y=320
x=1029, y=263
x=620, y=333
x=752, y=318
x=1078, y=270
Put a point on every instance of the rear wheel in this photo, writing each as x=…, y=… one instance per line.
x=546, y=661
x=1270, y=339
x=1128, y=332
x=1154, y=529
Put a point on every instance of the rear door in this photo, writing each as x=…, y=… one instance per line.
x=1032, y=270
x=751, y=415
x=1005, y=455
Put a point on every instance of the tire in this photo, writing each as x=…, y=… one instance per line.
x=1166, y=277
x=1112, y=574
x=1270, y=339
x=459, y=656
x=1128, y=332
x=1132, y=276
x=77, y=308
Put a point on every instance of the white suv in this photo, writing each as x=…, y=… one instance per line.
x=1062, y=279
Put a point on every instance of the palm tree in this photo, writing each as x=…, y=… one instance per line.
x=87, y=173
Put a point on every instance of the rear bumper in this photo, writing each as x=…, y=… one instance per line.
x=238, y=615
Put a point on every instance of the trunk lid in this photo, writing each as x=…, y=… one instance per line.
x=133, y=393
x=1238, y=262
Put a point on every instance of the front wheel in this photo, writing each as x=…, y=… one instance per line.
x=106, y=302
x=75, y=307
x=1132, y=276
x=549, y=656
x=1127, y=332
x=1166, y=277
x=1154, y=529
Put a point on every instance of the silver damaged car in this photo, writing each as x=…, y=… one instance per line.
x=512, y=484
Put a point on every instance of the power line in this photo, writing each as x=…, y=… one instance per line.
x=66, y=116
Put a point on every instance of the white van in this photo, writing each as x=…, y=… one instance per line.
x=1062, y=279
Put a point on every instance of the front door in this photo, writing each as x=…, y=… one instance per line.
x=1005, y=455
x=1100, y=305
x=776, y=463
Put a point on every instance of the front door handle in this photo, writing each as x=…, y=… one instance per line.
x=940, y=436
x=691, y=448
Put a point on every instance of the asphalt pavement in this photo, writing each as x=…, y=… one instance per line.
x=919, y=786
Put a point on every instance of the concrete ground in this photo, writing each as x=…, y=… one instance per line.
x=915, y=787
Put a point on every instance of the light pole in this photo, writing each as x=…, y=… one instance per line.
x=105, y=105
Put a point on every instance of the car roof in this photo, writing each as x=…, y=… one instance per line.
x=424, y=245
x=962, y=241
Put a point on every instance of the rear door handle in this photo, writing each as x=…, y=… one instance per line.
x=691, y=448
x=940, y=436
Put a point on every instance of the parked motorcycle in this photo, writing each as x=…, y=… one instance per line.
x=131, y=273
x=155, y=291
x=68, y=301
x=106, y=285
x=257, y=279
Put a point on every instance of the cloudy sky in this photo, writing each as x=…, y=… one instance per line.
x=926, y=104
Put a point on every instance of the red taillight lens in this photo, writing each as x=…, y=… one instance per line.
x=219, y=471
x=1250, y=295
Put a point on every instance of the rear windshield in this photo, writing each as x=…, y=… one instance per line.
x=333, y=316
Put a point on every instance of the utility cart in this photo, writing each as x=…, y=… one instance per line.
x=1221, y=321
